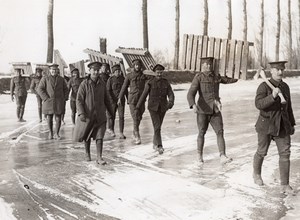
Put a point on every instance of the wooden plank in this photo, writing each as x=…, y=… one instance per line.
x=184, y=51
x=217, y=54
x=123, y=68
x=222, y=66
x=211, y=47
x=135, y=51
x=245, y=54
x=194, y=53
x=103, y=56
x=204, y=46
x=231, y=58
x=199, y=53
x=238, y=59
x=189, y=52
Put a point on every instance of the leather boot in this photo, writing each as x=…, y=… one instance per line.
x=121, y=127
x=18, y=112
x=257, y=164
x=57, y=126
x=284, y=169
x=137, y=138
x=73, y=118
x=87, y=146
x=50, y=125
x=22, y=109
x=99, y=146
x=40, y=114
x=200, y=145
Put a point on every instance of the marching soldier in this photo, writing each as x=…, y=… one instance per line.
x=275, y=122
x=161, y=98
x=136, y=81
x=208, y=107
x=105, y=72
x=92, y=102
x=33, y=87
x=114, y=85
x=54, y=92
x=19, y=91
x=73, y=86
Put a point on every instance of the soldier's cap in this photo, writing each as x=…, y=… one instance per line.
x=38, y=70
x=158, y=67
x=136, y=61
x=208, y=60
x=53, y=65
x=278, y=64
x=115, y=67
x=106, y=64
x=74, y=70
x=94, y=65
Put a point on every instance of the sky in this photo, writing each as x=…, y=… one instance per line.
x=78, y=24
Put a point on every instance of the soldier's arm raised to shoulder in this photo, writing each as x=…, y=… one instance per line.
x=262, y=99
x=195, y=86
x=41, y=89
x=144, y=95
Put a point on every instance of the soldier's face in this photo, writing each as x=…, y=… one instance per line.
x=53, y=71
x=277, y=74
x=206, y=67
x=137, y=67
x=159, y=73
x=18, y=72
x=39, y=73
x=94, y=73
x=117, y=73
x=75, y=74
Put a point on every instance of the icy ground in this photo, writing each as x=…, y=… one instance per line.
x=49, y=179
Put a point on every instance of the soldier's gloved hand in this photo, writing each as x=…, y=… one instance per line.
x=275, y=92
x=170, y=105
x=12, y=98
x=82, y=118
x=292, y=130
x=195, y=108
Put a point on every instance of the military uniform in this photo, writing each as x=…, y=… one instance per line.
x=207, y=85
x=114, y=85
x=33, y=87
x=275, y=122
x=18, y=89
x=135, y=80
x=73, y=86
x=161, y=98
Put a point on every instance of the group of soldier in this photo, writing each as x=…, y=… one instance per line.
x=98, y=97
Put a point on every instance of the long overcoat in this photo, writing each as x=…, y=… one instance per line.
x=54, y=92
x=92, y=101
x=274, y=116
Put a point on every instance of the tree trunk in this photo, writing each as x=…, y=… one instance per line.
x=205, y=21
x=278, y=32
x=145, y=25
x=290, y=49
x=229, y=20
x=261, y=34
x=102, y=45
x=177, y=39
x=50, y=32
x=245, y=30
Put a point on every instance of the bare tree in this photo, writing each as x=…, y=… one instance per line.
x=50, y=32
x=261, y=34
x=177, y=39
x=145, y=24
x=278, y=31
x=229, y=19
x=290, y=49
x=205, y=21
x=245, y=29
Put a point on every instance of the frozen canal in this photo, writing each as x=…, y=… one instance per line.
x=49, y=179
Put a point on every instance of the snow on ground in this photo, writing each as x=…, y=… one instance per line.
x=6, y=211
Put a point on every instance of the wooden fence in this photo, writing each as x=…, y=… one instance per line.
x=105, y=58
x=58, y=59
x=25, y=66
x=231, y=56
x=131, y=54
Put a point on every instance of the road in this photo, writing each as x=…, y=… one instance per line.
x=49, y=179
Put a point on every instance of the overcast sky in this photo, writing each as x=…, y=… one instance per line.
x=78, y=24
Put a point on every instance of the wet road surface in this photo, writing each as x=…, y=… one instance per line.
x=49, y=179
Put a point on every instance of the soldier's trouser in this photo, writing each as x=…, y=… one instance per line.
x=111, y=118
x=216, y=121
x=157, y=118
x=39, y=102
x=73, y=109
x=136, y=116
x=283, y=146
x=57, y=123
x=20, y=101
